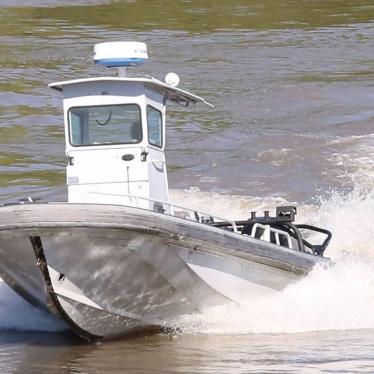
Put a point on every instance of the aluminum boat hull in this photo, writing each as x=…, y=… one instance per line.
x=111, y=270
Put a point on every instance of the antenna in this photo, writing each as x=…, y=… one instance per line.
x=121, y=55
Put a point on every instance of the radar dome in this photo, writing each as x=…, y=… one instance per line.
x=120, y=54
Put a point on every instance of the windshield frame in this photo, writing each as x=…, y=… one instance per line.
x=102, y=144
x=161, y=146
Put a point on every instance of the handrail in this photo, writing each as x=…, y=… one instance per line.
x=266, y=235
x=197, y=215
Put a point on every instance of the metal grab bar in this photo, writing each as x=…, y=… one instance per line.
x=266, y=234
x=197, y=216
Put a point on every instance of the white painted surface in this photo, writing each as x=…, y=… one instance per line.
x=229, y=285
x=174, y=94
x=98, y=173
x=66, y=288
x=120, y=50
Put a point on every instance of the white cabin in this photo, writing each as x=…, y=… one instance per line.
x=115, y=132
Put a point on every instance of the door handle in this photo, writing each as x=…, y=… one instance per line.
x=128, y=157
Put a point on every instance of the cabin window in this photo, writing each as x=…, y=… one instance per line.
x=109, y=124
x=154, y=120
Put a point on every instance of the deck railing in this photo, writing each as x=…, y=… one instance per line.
x=172, y=209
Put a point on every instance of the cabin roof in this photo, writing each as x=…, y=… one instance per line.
x=171, y=93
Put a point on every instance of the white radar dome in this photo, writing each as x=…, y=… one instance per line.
x=172, y=79
x=120, y=54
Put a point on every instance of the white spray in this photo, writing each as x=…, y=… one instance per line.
x=17, y=314
x=337, y=298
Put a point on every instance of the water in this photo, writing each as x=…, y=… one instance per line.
x=292, y=84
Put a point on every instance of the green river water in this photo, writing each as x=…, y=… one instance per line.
x=292, y=83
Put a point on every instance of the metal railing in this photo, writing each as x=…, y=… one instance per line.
x=266, y=232
x=172, y=209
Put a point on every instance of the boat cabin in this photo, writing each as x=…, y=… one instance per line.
x=115, y=131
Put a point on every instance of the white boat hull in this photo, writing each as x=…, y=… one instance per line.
x=111, y=270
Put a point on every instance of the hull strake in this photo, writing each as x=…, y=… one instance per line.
x=53, y=301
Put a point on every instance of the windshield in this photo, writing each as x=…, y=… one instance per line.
x=114, y=124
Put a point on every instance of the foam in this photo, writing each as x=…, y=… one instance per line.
x=17, y=314
x=226, y=206
x=354, y=155
x=337, y=298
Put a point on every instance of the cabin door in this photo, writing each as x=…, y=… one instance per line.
x=105, y=154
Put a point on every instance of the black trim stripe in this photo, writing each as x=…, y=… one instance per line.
x=54, y=302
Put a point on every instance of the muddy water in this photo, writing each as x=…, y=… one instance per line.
x=293, y=88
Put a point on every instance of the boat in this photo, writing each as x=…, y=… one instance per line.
x=118, y=257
